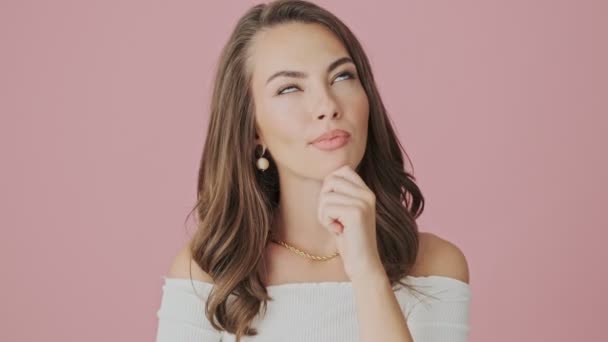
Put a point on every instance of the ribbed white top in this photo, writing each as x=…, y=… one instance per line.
x=317, y=312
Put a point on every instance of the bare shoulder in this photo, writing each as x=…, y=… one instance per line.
x=183, y=264
x=438, y=256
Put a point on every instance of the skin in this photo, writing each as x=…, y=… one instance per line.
x=325, y=205
x=287, y=123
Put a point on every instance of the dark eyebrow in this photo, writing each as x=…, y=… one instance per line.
x=300, y=74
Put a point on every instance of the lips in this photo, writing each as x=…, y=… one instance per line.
x=330, y=135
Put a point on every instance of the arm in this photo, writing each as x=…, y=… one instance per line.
x=378, y=311
x=446, y=319
x=181, y=316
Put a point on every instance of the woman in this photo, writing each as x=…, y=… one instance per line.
x=306, y=215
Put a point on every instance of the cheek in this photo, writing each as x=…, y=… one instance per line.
x=354, y=100
x=284, y=123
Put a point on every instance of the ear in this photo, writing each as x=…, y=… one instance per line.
x=258, y=139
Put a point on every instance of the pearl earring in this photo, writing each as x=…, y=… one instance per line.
x=262, y=163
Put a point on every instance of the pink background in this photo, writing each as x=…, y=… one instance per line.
x=103, y=115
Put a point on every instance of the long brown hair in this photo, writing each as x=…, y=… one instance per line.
x=236, y=202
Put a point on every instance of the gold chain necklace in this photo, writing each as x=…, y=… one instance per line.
x=304, y=254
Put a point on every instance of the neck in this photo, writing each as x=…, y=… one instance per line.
x=296, y=221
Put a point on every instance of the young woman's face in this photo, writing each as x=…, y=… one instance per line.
x=290, y=112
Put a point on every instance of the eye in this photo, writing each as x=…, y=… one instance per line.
x=280, y=92
x=346, y=73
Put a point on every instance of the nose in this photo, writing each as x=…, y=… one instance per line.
x=327, y=107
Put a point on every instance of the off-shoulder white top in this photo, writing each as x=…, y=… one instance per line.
x=318, y=312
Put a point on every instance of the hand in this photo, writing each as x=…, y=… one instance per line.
x=347, y=208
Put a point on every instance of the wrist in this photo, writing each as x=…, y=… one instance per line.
x=375, y=277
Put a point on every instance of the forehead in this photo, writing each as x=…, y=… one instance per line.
x=293, y=46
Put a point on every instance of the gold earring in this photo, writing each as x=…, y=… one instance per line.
x=262, y=163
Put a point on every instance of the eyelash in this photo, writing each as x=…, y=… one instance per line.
x=346, y=73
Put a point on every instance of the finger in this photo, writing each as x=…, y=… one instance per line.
x=347, y=172
x=355, y=180
x=343, y=185
x=332, y=216
x=341, y=198
x=335, y=216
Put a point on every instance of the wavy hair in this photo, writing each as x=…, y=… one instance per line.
x=236, y=202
